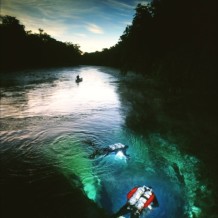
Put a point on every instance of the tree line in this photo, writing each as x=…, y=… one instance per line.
x=23, y=49
x=175, y=40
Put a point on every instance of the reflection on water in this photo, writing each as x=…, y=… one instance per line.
x=62, y=96
x=50, y=125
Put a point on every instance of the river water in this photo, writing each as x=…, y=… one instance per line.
x=49, y=127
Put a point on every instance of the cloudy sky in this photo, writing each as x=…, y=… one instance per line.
x=93, y=24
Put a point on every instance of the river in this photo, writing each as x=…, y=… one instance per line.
x=49, y=127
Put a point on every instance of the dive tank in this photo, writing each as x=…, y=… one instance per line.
x=140, y=203
x=136, y=196
x=147, y=194
x=116, y=146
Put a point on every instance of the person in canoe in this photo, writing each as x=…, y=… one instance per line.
x=78, y=79
x=138, y=200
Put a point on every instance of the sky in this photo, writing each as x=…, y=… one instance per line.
x=92, y=24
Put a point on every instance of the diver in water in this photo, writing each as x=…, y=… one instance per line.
x=115, y=148
x=138, y=200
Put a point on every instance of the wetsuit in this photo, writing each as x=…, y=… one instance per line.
x=110, y=149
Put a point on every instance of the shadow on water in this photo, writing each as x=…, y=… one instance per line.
x=186, y=119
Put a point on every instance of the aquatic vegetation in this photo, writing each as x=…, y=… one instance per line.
x=71, y=158
x=182, y=170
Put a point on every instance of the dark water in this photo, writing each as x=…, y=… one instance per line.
x=49, y=127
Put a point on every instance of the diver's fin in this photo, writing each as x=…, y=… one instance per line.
x=150, y=207
x=155, y=202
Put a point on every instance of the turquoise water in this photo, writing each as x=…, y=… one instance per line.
x=48, y=119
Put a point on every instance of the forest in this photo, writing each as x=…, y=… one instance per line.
x=24, y=49
x=166, y=36
x=173, y=39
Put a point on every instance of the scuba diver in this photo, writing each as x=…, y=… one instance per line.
x=138, y=199
x=115, y=148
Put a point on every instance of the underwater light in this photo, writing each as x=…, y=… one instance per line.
x=120, y=154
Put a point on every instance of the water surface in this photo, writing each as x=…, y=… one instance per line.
x=49, y=127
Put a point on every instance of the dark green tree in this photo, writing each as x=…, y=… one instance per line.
x=21, y=49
